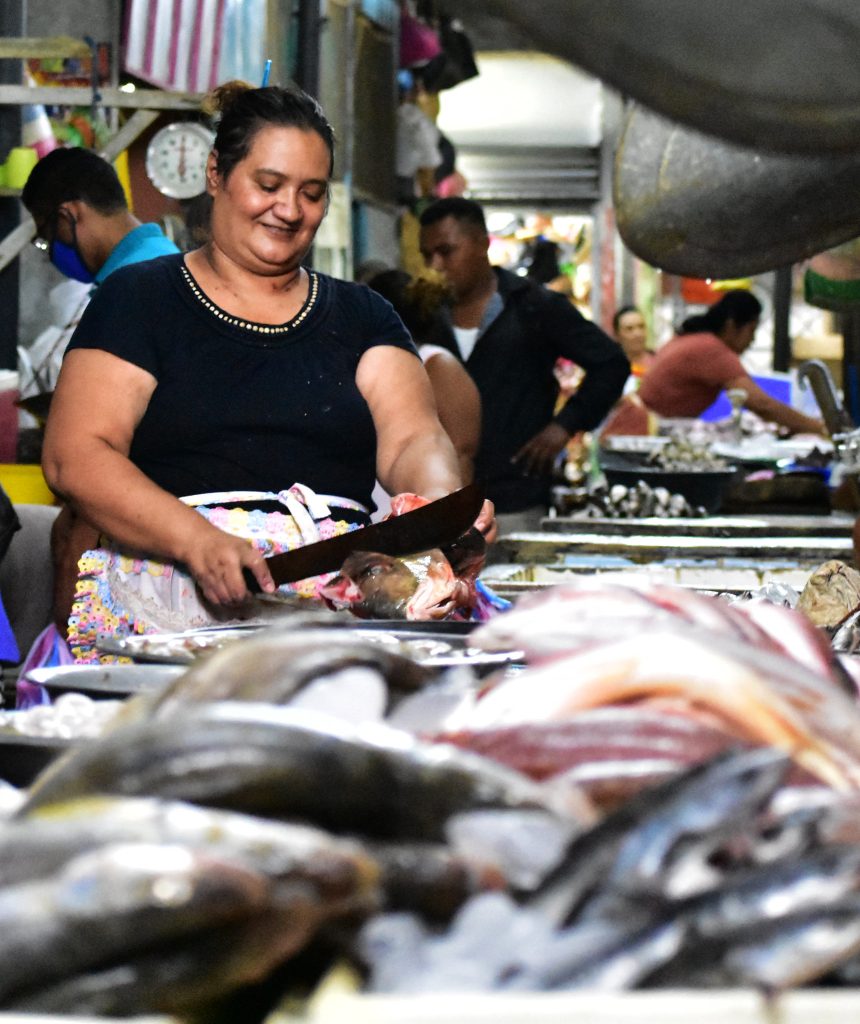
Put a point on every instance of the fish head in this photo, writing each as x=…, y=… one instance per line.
x=372, y=585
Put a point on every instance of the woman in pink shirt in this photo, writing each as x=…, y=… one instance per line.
x=691, y=370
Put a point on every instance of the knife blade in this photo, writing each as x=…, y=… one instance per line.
x=440, y=522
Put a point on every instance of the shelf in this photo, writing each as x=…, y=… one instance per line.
x=44, y=48
x=78, y=96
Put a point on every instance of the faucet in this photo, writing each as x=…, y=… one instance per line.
x=816, y=374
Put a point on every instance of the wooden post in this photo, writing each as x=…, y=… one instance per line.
x=781, y=313
x=308, y=56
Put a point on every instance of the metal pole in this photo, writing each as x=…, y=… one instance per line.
x=12, y=23
x=781, y=314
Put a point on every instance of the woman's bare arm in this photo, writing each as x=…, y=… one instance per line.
x=771, y=409
x=413, y=451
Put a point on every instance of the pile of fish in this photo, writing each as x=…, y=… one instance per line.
x=719, y=877
x=666, y=794
x=755, y=672
x=178, y=859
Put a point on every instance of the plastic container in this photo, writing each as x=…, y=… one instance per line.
x=20, y=161
x=25, y=484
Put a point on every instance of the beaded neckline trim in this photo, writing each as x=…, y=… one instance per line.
x=249, y=325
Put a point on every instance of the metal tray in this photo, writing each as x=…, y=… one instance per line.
x=434, y=644
x=546, y=546
x=745, y=527
x=172, y=648
x=103, y=681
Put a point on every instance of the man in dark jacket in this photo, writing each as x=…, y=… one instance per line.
x=509, y=332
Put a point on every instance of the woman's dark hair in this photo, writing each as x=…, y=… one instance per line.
x=244, y=111
x=740, y=306
x=543, y=265
x=623, y=311
x=417, y=301
x=67, y=174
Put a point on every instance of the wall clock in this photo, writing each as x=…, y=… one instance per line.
x=176, y=159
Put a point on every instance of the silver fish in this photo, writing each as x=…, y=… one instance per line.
x=722, y=801
x=796, y=885
x=629, y=848
x=281, y=762
x=625, y=966
x=275, y=664
x=772, y=955
x=37, y=846
x=118, y=900
x=184, y=977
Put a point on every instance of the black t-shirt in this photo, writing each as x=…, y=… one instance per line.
x=244, y=406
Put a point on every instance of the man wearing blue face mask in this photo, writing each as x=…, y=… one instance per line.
x=84, y=223
x=83, y=220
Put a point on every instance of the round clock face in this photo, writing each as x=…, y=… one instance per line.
x=176, y=159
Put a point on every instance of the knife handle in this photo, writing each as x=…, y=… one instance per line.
x=251, y=582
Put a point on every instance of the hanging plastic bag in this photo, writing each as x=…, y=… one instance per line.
x=419, y=43
x=456, y=62
x=832, y=278
x=48, y=650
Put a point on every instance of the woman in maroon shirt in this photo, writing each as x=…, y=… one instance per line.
x=691, y=370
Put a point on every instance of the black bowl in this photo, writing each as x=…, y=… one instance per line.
x=702, y=488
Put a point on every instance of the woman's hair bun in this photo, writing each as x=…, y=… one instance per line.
x=223, y=96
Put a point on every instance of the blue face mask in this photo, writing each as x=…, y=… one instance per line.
x=67, y=260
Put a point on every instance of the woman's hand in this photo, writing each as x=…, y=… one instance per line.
x=216, y=562
x=486, y=521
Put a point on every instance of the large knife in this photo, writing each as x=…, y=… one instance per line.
x=438, y=523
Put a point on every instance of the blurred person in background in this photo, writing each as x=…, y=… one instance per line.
x=544, y=268
x=703, y=359
x=83, y=223
x=631, y=333
x=509, y=333
x=418, y=302
x=82, y=217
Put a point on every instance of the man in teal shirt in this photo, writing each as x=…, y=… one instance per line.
x=83, y=221
x=82, y=217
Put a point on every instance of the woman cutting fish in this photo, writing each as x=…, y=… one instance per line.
x=223, y=377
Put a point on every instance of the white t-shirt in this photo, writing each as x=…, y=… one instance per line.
x=466, y=338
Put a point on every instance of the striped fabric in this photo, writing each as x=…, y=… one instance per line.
x=192, y=45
